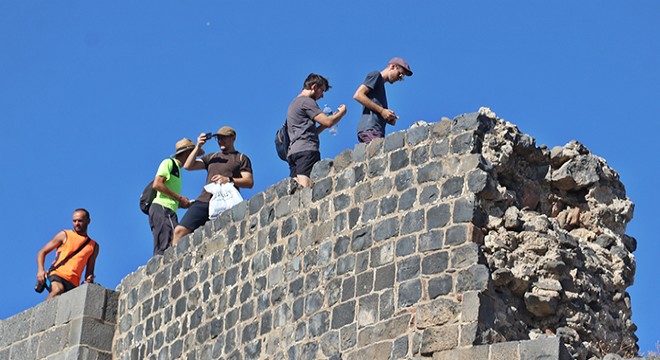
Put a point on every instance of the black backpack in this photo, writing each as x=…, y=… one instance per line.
x=282, y=142
x=149, y=193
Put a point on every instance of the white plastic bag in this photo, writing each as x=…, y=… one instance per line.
x=224, y=197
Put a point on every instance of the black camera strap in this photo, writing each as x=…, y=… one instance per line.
x=54, y=267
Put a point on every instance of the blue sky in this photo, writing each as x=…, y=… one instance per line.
x=94, y=94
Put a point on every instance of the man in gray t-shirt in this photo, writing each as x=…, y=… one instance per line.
x=301, y=119
x=371, y=94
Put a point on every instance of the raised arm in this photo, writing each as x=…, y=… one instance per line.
x=192, y=162
x=326, y=121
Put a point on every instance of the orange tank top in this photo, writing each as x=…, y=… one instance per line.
x=72, y=270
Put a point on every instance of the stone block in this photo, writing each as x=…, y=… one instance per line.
x=408, y=268
x=441, y=285
x=54, y=340
x=544, y=348
x=386, y=229
x=43, y=317
x=407, y=199
x=321, y=169
x=394, y=141
x=438, y=216
x=376, y=351
x=413, y=222
x=465, y=256
x=409, y=293
x=431, y=172
x=93, y=333
x=435, y=263
x=505, y=351
x=399, y=159
x=15, y=328
x=452, y=187
x=384, y=330
x=464, y=210
x=431, y=240
x=376, y=167
x=436, y=313
x=321, y=189
x=385, y=277
x=417, y=134
x=364, y=283
x=465, y=144
x=343, y=314
x=473, y=278
x=439, y=338
x=440, y=148
x=25, y=349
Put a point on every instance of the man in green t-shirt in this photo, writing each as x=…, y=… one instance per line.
x=167, y=183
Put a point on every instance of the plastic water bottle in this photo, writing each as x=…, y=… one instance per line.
x=328, y=112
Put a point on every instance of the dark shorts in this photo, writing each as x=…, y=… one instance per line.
x=162, y=221
x=366, y=136
x=302, y=163
x=196, y=215
x=67, y=285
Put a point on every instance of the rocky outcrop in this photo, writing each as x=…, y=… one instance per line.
x=554, y=239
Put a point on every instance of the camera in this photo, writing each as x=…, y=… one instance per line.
x=40, y=286
x=208, y=136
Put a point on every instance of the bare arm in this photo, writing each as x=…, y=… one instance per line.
x=91, y=263
x=245, y=181
x=53, y=244
x=159, y=185
x=361, y=97
x=192, y=162
x=326, y=121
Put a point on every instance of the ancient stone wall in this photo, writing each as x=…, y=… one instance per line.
x=453, y=240
x=76, y=325
x=379, y=259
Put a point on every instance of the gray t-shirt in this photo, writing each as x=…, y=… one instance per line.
x=301, y=126
x=370, y=120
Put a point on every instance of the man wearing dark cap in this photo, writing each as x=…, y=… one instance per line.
x=371, y=94
x=226, y=166
x=167, y=183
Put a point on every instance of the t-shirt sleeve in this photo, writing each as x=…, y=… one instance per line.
x=371, y=79
x=165, y=169
x=311, y=108
x=246, y=164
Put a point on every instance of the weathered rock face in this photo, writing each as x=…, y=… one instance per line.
x=554, y=224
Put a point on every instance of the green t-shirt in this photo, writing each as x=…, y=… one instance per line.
x=172, y=181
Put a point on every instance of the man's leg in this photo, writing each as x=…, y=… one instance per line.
x=56, y=288
x=303, y=180
x=302, y=164
x=179, y=232
x=196, y=215
x=163, y=222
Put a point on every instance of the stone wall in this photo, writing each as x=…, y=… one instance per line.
x=76, y=325
x=403, y=248
x=453, y=240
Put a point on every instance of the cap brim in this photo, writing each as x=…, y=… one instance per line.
x=199, y=153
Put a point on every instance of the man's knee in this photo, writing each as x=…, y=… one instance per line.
x=56, y=288
x=179, y=232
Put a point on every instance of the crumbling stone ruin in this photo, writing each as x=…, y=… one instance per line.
x=554, y=226
x=453, y=240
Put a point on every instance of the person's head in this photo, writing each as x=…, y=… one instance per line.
x=317, y=84
x=183, y=148
x=81, y=220
x=397, y=69
x=226, y=137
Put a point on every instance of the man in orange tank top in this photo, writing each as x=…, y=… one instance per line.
x=68, y=275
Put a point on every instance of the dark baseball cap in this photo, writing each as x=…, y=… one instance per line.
x=399, y=61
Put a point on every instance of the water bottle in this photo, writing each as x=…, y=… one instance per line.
x=328, y=112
